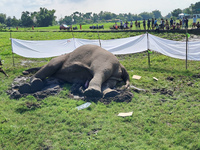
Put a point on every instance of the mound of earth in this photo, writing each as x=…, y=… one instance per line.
x=53, y=86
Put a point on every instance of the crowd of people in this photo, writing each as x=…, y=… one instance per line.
x=163, y=24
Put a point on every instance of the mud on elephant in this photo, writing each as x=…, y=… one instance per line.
x=90, y=66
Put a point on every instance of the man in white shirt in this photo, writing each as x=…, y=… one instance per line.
x=194, y=21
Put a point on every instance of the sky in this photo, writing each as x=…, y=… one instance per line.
x=67, y=7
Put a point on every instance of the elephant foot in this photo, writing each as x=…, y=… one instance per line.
x=36, y=85
x=110, y=93
x=91, y=92
x=25, y=88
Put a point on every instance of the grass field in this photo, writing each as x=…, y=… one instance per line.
x=166, y=117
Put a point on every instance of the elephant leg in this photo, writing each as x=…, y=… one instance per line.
x=36, y=82
x=101, y=74
x=94, y=88
x=108, y=90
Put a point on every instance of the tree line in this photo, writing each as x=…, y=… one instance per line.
x=45, y=17
x=42, y=18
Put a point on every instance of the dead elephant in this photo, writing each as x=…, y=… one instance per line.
x=90, y=66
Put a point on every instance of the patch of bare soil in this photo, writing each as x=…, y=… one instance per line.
x=163, y=91
x=196, y=76
x=170, y=78
x=53, y=86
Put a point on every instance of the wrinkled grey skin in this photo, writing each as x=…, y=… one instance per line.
x=90, y=66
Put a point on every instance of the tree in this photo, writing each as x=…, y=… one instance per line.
x=87, y=15
x=176, y=12
x=107, y=16
x=146, y=15
x=95, y=17
x=157, y=14
x=45, y=17
x=77, y=17
x=67, y=20
x=100, y=15
x=169, y=15
x=2, y=18
x=26, y=19
x=187, y=11
x=196, y=8
x=137, y=17
x=9, y=22
x=2, y=26
x=15, y=22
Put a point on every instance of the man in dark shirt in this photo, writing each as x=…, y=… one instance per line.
x=186, y=23
x=148, y=23
x=171, y=22
x=152, y=23
x=144, y=24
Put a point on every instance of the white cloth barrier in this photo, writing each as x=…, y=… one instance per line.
x=119, y=46
x=42, y=49
x=175, y=49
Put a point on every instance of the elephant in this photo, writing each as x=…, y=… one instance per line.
x=95, y=68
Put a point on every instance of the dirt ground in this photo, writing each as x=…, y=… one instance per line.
x=53, y=86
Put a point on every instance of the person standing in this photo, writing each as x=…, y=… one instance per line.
x=144, y=24
x=162, y=24
x=152, y=23
x=180, y=23
x=125, y=25
x=131, y=24
x=183, y=22
x=167, y=24
x=149, y=24
x=186, y=23
x=121, y=24
x=136, y=24
x=194, y=21
x=171, y=22
x=155, y=22
x=139, y=25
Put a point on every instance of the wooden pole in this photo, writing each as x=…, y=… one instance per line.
x=72, y=34
x=99, y=39
x=149, y=61
x=186, y=49
x=12, y=50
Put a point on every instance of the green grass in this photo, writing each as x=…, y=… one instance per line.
x=159, y=121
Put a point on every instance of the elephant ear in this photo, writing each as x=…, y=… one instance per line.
x=125, y=76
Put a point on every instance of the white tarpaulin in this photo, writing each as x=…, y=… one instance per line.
x=175, y=49
x=42, y=49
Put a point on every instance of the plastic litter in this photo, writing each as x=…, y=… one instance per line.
x=83, y=106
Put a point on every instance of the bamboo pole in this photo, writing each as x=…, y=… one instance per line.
x=99, y=39
x=12, y=50
x=149, y=60
x=186, y=59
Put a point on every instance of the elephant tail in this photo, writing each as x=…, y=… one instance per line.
x=125, y=76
